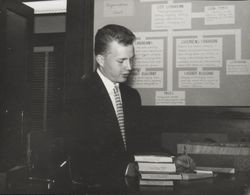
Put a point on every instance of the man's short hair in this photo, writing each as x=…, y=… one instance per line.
x=109, y=33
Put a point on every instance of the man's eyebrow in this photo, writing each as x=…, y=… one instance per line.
x=128, y=58
x=125, y=58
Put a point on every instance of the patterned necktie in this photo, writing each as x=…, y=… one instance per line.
x=119, y=114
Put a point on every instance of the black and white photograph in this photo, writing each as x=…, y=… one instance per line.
x=125, y=97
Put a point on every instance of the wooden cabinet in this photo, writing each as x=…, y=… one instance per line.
x=16, y=28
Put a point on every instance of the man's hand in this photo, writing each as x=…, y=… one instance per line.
x=184, y=164
x=132, y=170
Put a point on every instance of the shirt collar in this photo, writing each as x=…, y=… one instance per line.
x=108, y=83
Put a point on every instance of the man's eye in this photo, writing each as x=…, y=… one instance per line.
x=120, y=61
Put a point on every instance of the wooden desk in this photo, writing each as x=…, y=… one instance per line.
x=237, y=184
x=222, y=184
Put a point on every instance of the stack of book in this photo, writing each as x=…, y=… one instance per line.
x=160, y=170
x=157, y=170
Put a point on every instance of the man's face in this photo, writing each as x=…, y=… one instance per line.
x=116, y=63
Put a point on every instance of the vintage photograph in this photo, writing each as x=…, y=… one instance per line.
x=125, y=97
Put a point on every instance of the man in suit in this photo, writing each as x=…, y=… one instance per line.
x=104, y=133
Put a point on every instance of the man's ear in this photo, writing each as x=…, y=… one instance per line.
x=100, y=59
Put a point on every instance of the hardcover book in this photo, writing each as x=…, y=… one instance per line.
x=161, y=176
x=157, y=167
x=154, y=158
x=145, y=182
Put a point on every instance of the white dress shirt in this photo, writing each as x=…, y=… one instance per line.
x=109, y=87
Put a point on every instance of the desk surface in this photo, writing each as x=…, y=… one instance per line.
x=237, y=184
x=222, y=184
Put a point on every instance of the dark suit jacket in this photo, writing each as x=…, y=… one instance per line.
x=96, y=145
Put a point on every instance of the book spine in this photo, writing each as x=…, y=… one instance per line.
x=157, y=167
x=207, y=149
x=153, y=159
x=161, y=176
x=156, y=182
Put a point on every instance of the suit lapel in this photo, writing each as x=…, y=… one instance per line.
x=105, y=107
x=103, y=99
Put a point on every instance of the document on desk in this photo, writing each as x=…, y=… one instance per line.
x=217, y=169
x=192, y=176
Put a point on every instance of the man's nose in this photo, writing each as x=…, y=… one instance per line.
x=128, y=64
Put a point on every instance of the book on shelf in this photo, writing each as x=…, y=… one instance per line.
x=154, y=157
x=234, y=149
x=157, y=167
x=147, y=182
x=161, y=176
